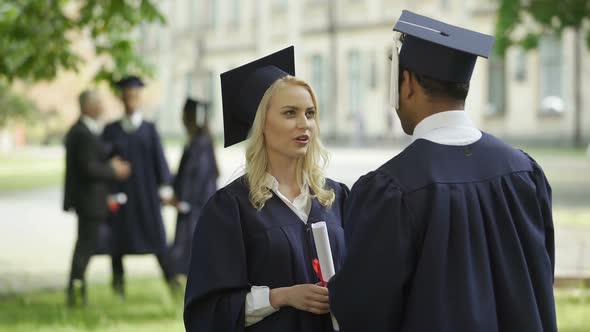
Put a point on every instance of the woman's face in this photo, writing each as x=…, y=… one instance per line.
x=290, y=121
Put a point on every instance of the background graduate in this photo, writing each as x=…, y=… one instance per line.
x=194, y=183
x=137, y=228
x=455, y=233
x=251, y=264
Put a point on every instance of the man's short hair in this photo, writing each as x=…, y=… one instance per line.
x=86, y=96
x=434, y=88
x=438, y=89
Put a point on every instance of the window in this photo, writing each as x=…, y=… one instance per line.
x=551, y=63
x=213, y=13
x=211, y=89
x=520, y=74
x=188, y=78
x=496, y=85
x=192, y=13
x=354, y=74
x=235, y=13
x=373, y=70
x=318, y=80
x=280, y=4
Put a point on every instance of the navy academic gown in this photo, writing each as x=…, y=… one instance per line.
x=137, y=228
x=448, y=238
x=194, y=184
x=236, y=247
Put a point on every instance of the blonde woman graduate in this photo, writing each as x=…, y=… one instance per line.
x=251, y=263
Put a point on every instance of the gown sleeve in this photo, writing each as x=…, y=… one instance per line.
x=544, y=197
x=367, y=294
x=217, y=281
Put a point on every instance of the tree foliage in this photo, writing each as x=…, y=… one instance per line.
x=14, y=107
x=538, y=17
x=36, y=36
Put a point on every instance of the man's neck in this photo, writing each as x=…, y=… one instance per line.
x=435, y=108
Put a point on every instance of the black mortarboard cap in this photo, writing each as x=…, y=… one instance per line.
x=439, y=50
x=190, y=105
x=242, y=90
x=130, y=82
x=197, y=107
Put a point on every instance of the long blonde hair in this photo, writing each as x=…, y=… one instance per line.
x=310, y=168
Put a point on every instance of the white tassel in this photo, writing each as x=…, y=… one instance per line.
x=394, y=79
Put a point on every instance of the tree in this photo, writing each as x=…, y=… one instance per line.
x=14, y=107
x=538, y=17
x=36, y=36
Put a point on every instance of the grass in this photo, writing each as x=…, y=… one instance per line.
x=149, y=307
x=578, y=216
x=22, y=172
x=573, y=308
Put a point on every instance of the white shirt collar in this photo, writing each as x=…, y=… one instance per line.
x=131, y=123
x=447, y=128
x=301, y=205
x=93, y=125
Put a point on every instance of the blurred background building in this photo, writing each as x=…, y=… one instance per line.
x=342, y=48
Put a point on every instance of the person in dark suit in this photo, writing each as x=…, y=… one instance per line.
x=88, y=172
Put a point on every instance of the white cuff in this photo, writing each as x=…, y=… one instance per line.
x=166, y=192
x=258, y=305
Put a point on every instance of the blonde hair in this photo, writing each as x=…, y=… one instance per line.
x=310, y=168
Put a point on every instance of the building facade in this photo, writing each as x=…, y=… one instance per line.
x=341, y=49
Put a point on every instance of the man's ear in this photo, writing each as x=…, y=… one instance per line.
x=409, y=85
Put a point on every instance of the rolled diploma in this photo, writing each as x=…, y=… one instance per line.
x=322, y=245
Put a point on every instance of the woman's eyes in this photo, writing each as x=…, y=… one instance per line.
x=293, y=113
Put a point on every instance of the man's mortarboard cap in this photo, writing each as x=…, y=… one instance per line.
x=130, y=82
x=242, y=90
x=438, y=50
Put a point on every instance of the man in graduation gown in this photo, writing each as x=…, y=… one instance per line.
x=88, y=172
x=455, y=233
x=137, y=227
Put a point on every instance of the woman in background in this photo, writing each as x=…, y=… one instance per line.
x=194, y=183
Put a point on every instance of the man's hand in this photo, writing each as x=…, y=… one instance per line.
x=122, y=168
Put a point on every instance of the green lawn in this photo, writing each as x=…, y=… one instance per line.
x=21, y=172
x=578, y=216
x=573, y=310
x=149, y=307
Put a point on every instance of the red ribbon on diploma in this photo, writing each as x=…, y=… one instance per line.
x=113, y=206
x=318, y=271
